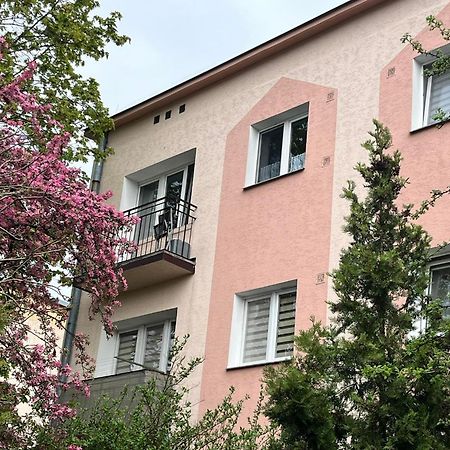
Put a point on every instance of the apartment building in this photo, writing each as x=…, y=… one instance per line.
x=236, y=175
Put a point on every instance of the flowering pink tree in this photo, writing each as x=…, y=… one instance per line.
x=53, y=230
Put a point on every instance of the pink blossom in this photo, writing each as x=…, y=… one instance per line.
x=56, y=229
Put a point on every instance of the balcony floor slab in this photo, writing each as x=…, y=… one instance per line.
x=156, y=268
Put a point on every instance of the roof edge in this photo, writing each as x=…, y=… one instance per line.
x=279, y=43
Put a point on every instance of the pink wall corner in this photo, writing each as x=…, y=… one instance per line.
x=272, y=232
x=426, y=160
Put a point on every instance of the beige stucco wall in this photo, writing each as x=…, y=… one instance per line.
x=349, y=58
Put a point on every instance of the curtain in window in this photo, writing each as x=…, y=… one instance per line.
x=271, y=142
x=297, y=147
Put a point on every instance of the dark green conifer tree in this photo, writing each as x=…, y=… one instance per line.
x=370, y=380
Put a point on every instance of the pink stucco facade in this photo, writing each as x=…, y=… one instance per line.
x=271, y=232
x=426, y=161
x=344, y=69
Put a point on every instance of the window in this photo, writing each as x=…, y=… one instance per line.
x=146, y=347
x=440, y=286
x=263, y=326
x=167, y=198
x=278, y=145
x=437, y=95
x=171, y=178
x=142, y=342
x=438, y=289
x=430, y=92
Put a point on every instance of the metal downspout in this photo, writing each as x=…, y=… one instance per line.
x=67, y=347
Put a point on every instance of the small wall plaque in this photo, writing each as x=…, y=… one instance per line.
x=320, y=279
x=391, y=72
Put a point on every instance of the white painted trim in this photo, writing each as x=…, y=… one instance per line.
x=252, y=159
x=426, y=108
x=108, y=347
x=420, y=95
x=285, y=148
x=421, y=323
x=105, y=362
x=140, y=348
x=272, y=331
x=237, y=331
x=254, y=142
x=417, y=95
x=133, y=181
x=239, y=321
x=164, y=356
x=130, y=194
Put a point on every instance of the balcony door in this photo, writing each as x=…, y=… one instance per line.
x=165, y=199
x=148, y=195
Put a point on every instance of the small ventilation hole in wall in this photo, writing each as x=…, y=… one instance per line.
x=168, y=114
x=182, y=109
x=330, y=96
x=391, y=72
x=156, y=119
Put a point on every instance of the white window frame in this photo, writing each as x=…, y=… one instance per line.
x=106, y=362
x=443, y=264
x=256, y=130
x=134, y=181
x=162, y=183
x=140, y=347
x=421, y=322
x=421, y=94
x=239, y=321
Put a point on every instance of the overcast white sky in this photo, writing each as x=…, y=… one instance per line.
x=174, y=40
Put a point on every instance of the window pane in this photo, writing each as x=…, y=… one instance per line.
x=127, y=351
x=270, y=145
x=286, y=325
x=440, y=95
x=256, y=330
x=173, y=196
x=153, y=346
x=440, y=288
x=173, y=188
x=298, y=144
x=148, y=194
x=172, y=338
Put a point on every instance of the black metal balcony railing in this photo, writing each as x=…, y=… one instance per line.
x=165, y=224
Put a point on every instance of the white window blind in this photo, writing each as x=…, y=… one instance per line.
x=127, y=351
x=153, y=346
x=267, y=329
x=257, y=327
x=147, y=347
x=286, y=325
x=437, y=95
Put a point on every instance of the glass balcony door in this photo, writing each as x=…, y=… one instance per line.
x=148, y=194
x=162, y=202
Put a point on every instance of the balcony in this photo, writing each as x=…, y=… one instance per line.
x=163, y=240
x=113, y=385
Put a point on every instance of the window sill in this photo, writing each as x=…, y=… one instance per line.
x=259, y=364
x=250, y=186
x=431, y=125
